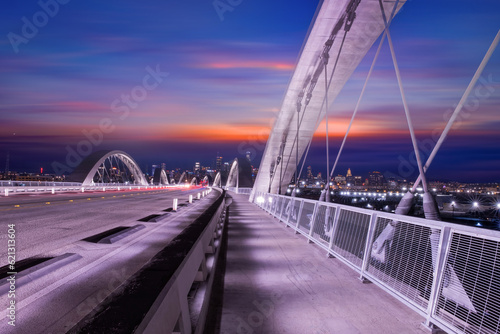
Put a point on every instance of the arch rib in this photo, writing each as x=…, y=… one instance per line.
x=87, y=169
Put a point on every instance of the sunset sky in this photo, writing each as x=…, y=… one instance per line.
x=227, y=75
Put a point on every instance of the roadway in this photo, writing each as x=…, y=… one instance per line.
x=50, y=225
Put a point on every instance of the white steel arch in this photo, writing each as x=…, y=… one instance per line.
x=193, y=181
x=232, y=178
x=86, y=171
x=217, y=180
x=160, y=177
x=183, y=176
x=341, y=34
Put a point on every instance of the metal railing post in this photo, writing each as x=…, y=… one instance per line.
x=334, y=227
x=368, y=244
x=438, y=272
x=313, y=218
x=298, y=216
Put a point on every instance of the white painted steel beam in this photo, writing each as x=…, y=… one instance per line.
x=329, y=24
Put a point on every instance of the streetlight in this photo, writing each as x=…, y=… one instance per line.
x=453, y=208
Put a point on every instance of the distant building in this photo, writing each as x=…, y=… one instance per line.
x=340, y=179
x=218, y=163
x=349, y=179
x=358, y=181
x=197, y=167
x=392, y=183
x=310, y=176
x=376, y=179
x=36, y=177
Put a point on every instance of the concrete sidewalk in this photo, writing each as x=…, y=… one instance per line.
x=275, y=282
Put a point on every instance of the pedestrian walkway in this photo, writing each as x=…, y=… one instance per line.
x=275, y=282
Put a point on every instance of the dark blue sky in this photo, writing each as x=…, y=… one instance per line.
x=226, y=80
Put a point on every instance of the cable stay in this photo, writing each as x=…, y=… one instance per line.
x=358, y=103
x=455, y=291
x=345, y=21
x=459, y=106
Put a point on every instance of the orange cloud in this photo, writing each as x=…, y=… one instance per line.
x=210, y=132
x=251, y=64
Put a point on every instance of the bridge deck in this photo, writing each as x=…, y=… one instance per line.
x=276, y=283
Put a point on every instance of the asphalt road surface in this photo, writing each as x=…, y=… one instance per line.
x=49, y=226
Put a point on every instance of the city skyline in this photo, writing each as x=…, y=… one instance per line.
x=225, y=83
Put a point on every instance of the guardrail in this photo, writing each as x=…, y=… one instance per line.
x=446, y=272
x=4, y=183
x=171, y=312
x=238, y=190
x=7, y=191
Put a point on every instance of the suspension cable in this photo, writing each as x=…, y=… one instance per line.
x=403, y=98
x=348, y=19
x=326, y=124
x=363, y=90
x=318, y=121
x=459, y=107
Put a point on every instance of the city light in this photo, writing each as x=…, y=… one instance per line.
x=498, y=206
x=475, y=204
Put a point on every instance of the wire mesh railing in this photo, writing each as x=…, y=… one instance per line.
x=20, y=183
x=238, y=190
x=446, y=272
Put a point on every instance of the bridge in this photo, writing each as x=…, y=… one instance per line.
x=113, y=252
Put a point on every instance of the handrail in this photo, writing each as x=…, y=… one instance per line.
x=446, y=272
x=8, y=191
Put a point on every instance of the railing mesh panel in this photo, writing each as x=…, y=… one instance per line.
x=274, y=202
x=401, y=259
x=295, y=207
x=279, y=202
x=306, y=217
x=350, y=236
x=323, y=223
x=405, y=262
x=286, y=209
x=469, y=297
x=267, y=202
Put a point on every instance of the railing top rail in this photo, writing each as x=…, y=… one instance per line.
x=476, y=231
